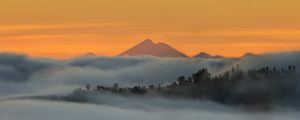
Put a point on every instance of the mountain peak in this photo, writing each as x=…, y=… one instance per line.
x=249, y=54
x=206, y=55
x=148, y=47
x=203, y=54
x=147, y=41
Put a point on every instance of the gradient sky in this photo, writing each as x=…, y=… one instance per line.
x=66, y=28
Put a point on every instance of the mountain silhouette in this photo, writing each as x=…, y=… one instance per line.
x=206, y=55
x=148, y=47
x=249, y=55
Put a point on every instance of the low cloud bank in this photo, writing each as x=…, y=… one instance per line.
x=44, y=110
x=21, y=75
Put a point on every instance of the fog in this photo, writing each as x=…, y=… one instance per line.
x=22, y=76
x=45, y=110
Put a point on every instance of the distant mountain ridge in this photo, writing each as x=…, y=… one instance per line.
x=206, y=55
x=148, y=47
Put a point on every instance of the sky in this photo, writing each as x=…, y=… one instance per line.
x=67, y=28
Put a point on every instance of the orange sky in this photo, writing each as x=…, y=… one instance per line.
x=66, y=28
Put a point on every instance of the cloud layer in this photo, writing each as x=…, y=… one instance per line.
x=35, y=73
x=21, y=75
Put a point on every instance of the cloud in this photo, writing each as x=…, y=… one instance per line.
x=22, y=76
x=291, y=32
x=19, y=67
x=59, y=29
x=47, y=73
x=37, y=110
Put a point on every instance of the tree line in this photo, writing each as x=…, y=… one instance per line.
x=261, y=87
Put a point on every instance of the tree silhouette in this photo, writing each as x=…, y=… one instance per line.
x=201, y=76
x=181, y=80
x=290, y=68
x=88, y=87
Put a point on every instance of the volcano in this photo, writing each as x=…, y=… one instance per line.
x=148, y=47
